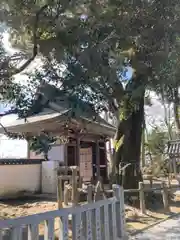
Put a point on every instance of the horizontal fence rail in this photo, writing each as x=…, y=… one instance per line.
x=101, y=220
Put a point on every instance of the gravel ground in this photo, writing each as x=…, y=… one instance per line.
x=168, y=230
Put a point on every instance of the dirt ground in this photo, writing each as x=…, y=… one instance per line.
x=135, y=220
x=25, y=207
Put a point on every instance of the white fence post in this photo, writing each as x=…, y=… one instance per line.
x=49, y=229
x=17, y=233
x=122, y=213
x=98, y=224
x=89, y=224
x=64, y=228
x=106, y=222
x=120, y=210
x=76, y=226
x=33, y=232
x=83, y=219
x=116, y=211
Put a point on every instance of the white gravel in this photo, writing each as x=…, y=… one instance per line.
x=167, y=230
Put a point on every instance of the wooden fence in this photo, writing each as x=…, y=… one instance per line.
x=101, y=220
x=142, y=191
x=164, y=190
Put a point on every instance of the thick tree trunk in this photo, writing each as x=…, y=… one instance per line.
x=128, y=153
x=176, y=110
x=131, y=149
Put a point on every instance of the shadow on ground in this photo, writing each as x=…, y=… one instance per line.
x=167, y=230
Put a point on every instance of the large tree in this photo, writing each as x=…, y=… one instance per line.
x=85, y=47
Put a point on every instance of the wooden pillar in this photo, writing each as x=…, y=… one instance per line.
x=165, y=196
x=28, y=150
x=66, y=154
x=170, y=167
x=59, y=192
x=89, y=193
x=143, y=160
x=78, y=145
x=142, y=198
x=77, y=150
x=174, y=167
x=74, y=186
x=97, y=160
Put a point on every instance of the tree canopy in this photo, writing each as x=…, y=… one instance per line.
x=85, y=47
x=85, y=40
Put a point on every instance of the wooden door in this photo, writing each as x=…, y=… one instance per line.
x=86, y=171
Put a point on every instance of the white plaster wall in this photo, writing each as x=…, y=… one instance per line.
x=33, y=155
x=56, y=153
x=49, y=176
x=16, y=179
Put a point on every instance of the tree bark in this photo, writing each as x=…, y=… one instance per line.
x=131, y=149
x=127, y=155
x=176, y=108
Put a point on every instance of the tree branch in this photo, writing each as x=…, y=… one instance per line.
x=5, y=130
x=35, y=47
